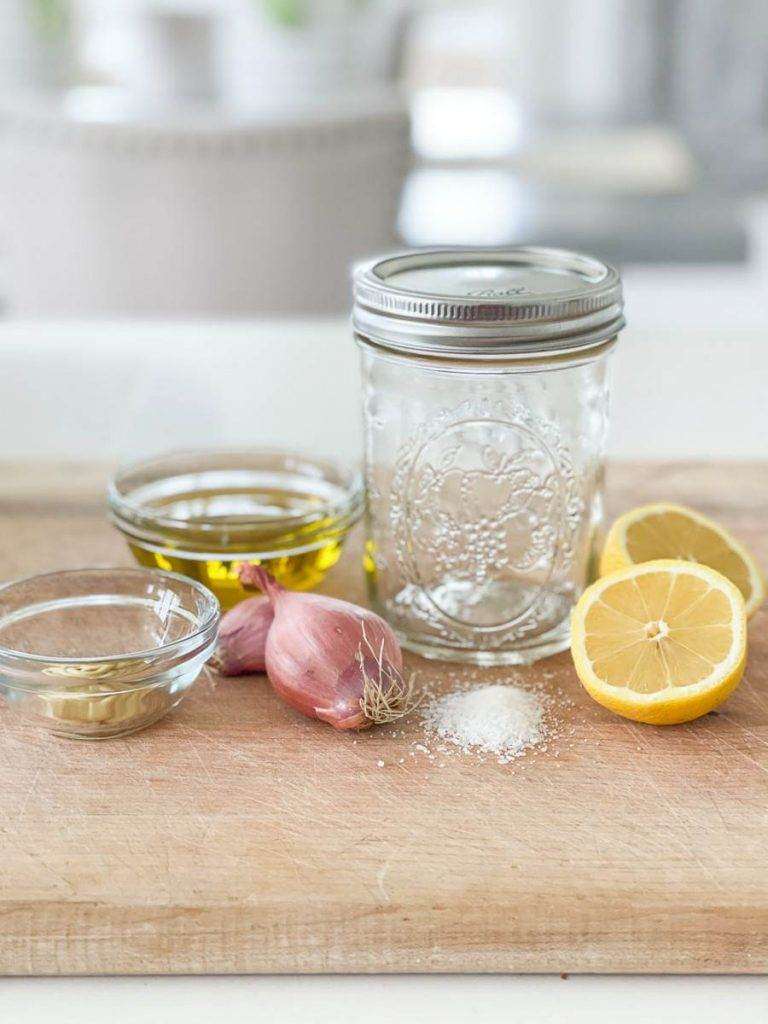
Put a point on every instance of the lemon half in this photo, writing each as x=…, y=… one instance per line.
x=662, y=642
x=673, y=531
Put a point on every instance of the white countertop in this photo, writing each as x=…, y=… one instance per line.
x=386, y=1000
x=116, y=391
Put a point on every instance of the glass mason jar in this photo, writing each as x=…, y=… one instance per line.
x=485, y=403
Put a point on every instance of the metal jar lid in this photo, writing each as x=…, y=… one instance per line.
x=487, y=303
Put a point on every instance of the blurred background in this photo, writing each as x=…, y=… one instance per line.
x=185, y=183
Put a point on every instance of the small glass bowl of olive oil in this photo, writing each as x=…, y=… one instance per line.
x=205, y=513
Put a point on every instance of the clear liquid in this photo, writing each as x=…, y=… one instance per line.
x=96, y=699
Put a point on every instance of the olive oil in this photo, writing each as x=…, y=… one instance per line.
x=207, y=524
x=296, y=572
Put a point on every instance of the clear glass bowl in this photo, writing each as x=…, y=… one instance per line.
x=96, y=653
x=206, y=513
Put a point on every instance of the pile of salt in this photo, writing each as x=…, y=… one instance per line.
x=501, y=720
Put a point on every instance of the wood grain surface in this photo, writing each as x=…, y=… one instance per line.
x=235, y=836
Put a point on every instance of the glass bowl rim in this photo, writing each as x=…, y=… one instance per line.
x=206, y=624
x=124, y=510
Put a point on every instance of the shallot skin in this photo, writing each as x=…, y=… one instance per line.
x=242, y=641
x=322, y=652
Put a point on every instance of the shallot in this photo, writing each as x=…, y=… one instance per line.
x=332, y=660
x=243, y=638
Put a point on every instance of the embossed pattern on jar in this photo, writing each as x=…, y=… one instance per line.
x=478, y=534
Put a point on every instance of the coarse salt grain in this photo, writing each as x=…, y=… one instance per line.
x=496, y=719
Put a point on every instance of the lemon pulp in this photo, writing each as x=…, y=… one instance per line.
x=664, y=641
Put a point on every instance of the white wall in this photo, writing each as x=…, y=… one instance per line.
x=115, y=391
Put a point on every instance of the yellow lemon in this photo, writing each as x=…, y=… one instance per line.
x=672, y=531
x=661, y=642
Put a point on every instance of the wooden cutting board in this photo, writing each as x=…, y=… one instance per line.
x=236, y=836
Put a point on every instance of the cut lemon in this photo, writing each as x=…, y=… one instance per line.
x=662, y=642
x=672, y=531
